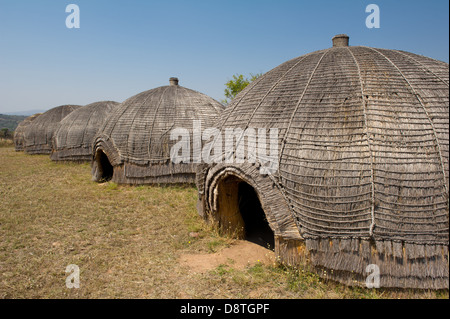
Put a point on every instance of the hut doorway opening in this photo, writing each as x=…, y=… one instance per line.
x=105, y=169
x=240, y=213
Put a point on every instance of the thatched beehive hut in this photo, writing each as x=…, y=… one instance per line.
x=19, y=132
x=133, y=146
x=39, y=133
x=74, y=137
x=362, y=168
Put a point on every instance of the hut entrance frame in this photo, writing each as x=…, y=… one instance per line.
x=105, y=169
x=240, y=212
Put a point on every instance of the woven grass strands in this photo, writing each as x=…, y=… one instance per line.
x=75, y=134
x=20, y=130
x=133, y=146
x=363, y=164
x=38, y=134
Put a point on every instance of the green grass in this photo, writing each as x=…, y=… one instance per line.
x=127, y=242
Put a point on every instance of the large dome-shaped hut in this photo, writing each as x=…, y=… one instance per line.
x=360, y=176
x=38, y=134
x=134, y=144
x=19, y=132
x=74, y=137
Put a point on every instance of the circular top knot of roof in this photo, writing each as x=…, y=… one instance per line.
x=173, y=81
x=340, y=40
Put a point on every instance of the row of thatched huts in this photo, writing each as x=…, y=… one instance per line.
x=361, y=174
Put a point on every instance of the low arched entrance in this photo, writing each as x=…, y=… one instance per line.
x=240, y=213
x=105, y=170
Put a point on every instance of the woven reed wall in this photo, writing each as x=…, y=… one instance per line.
x=363, y=141
x=19, y=138
x=38, y=134
x=136, y=136
x=75, y=134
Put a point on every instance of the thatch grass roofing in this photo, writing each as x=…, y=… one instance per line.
x=19, y=132
x=74, y=137
x=136, y=137
x=38, y=135
x=363, y=160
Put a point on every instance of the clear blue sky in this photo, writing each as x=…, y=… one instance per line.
x=126, y=47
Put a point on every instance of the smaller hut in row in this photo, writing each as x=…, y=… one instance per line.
x=38, y=134
x=134, y=145
x=74, y=136
x=19, y=132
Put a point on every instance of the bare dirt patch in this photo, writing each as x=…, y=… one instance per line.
x=239, y=255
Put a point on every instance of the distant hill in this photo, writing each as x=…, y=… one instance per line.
x=11, y=121
x=28, y=112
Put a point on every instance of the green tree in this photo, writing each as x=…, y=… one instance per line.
x=236, y=85
x=6, y=133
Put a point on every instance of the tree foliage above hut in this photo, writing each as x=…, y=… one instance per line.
x=236, y=85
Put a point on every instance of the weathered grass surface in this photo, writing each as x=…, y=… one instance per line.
x=4, y=142
x=127, y=242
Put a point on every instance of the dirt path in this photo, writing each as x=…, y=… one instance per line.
x=239, y=255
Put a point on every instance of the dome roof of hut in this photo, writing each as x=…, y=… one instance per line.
x=74, y=137
x=20, y=129
x=137, y=133
x=38, y=135
x=363, y=141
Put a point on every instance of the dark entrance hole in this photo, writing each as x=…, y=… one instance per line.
x=240, y=213
x=105, y=169
x=257, y=229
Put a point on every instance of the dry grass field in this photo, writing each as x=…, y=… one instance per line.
x=132, y=242
x=6, y=142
